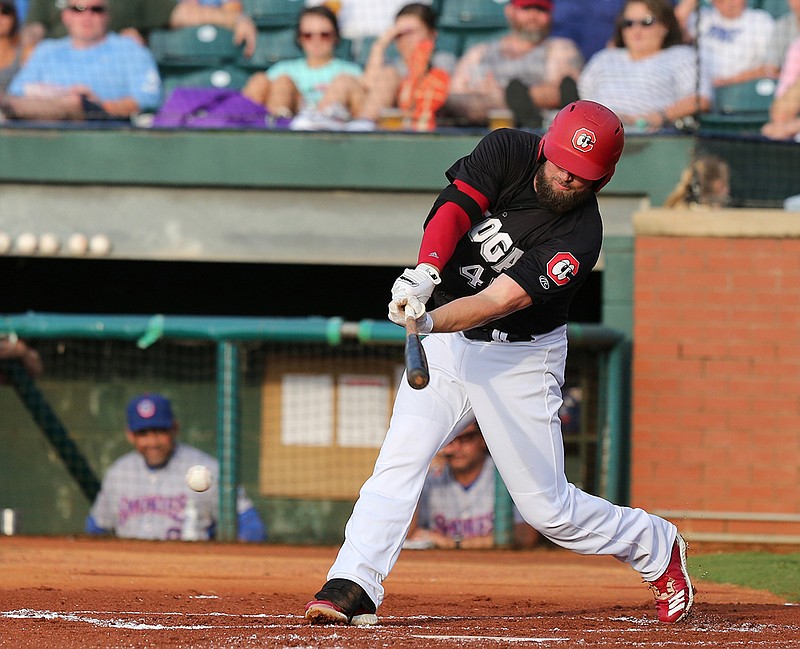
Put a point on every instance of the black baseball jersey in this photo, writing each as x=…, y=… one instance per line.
x=550, y=255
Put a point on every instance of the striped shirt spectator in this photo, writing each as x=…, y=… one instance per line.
x=648, y=78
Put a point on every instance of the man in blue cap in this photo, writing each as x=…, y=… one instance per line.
x=144, y=494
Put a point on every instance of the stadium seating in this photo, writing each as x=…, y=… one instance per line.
x=272, y=45
x=457, y=41
x=747, y=97
x=740, y=106
x=776, y=8
x=273, y=13
x=228, y=76
x=275, y=45
x=469, y=14
x=193, y=47
x=475, y=36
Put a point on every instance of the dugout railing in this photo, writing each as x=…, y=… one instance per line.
x=228, y=351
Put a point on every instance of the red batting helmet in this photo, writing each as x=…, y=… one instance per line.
x=586, y=139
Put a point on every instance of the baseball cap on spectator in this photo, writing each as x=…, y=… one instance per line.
x=544, y=5
x=150, y=411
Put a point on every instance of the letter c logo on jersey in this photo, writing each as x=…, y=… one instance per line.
x=583, y=140
x=562, y=267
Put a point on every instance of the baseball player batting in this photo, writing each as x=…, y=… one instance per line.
x=505, y=248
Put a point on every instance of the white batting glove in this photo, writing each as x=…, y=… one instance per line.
x=411, y=307
x=418, y=282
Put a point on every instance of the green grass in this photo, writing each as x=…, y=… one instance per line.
x=776, y=573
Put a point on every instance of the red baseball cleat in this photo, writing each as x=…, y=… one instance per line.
x=673, y=590
x=341, y=601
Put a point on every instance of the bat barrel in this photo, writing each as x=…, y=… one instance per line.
x=417, y=372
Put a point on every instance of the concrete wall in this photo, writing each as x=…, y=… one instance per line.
x=716, y=372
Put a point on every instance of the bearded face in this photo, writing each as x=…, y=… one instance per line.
x=560, y=191
x=530, y=24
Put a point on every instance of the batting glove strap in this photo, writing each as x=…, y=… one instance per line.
x=432, y=272
x=425, y=323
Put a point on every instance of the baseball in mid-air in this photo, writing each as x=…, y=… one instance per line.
x=198, y=477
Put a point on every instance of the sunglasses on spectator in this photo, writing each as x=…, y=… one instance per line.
x=467, y=438
x=81, y=8
x=644, y=22
x=307, y=36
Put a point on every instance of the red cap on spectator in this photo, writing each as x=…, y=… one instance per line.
x=546, y=5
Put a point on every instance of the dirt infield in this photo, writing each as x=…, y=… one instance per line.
x=108, y=593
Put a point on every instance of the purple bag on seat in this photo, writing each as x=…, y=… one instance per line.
x=210, y=108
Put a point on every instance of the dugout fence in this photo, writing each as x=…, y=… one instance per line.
x=299, y=405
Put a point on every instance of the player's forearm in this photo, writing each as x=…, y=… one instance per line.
x=503, y=297
x=465, y=313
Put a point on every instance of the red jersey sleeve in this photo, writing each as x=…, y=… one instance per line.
x=446, y=226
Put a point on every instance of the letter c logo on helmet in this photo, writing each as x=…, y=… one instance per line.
x=583, y=140
x=586, y=139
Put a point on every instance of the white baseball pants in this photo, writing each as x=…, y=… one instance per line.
x=513, y=390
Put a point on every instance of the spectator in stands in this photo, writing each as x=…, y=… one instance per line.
x=136, y=18
x=361, y=21
x=784, y=115
x=787, y=29
x=90, y=74
x=12, y=54
x=12, y=348
x=457, y=505
x=649, y=78
x=289, y=86
x=783, y=109
x=734, y=41
x=591, y=24
x=144, y=494
x=790, y=68
x=705, y=183
x=522, y=70
x=416, y=83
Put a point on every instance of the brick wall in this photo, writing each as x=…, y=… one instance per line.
x=716, y=372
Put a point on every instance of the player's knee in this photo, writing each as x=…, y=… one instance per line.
x=542, y=513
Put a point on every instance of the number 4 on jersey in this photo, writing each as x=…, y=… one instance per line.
x=473, y=274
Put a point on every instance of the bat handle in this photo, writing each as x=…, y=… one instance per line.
x=417, y=371
x=411, y=323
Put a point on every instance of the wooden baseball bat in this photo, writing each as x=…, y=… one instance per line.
x=416, y=362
